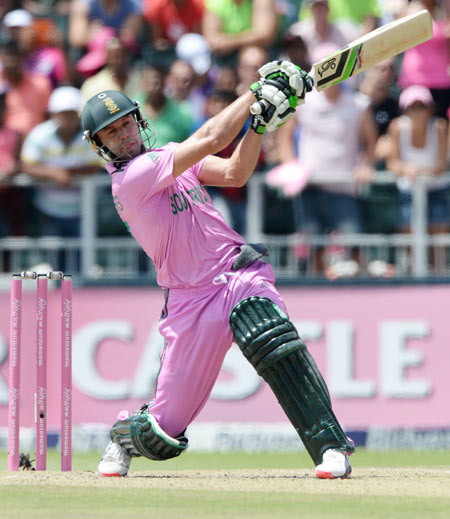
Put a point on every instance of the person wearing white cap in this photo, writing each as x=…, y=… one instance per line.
x=55, y=152
x=17, y=19
x=419, y=148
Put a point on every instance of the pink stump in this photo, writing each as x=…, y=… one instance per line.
x=66, y=373
x=41, y=373
x=14, y=373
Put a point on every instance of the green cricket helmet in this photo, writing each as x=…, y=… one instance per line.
x=103, y=109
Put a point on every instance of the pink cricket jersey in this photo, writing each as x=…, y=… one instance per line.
x=173, y=219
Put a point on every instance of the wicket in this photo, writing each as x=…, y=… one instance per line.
x=41, y=369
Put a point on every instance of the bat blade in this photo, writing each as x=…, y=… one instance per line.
x=372, y=48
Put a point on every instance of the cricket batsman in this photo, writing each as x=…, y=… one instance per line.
x=217, y=288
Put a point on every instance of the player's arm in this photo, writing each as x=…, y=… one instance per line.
x=235, y=170
x=276, y=99
x=214, y=135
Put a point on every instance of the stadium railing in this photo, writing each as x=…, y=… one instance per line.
x=104, y=250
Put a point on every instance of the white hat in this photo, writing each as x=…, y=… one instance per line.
x=415, y=94
x=193, y=48
x=65, y=99
x=18, y=18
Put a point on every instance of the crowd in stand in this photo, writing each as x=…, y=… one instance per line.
x=185, y=60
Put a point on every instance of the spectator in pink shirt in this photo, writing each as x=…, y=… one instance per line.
x=28, y=94
x=428, y=64
x=42, y=44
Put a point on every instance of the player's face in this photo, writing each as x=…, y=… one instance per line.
x=123, y=137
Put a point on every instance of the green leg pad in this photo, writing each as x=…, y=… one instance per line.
x=141, y=435
x=272, y=345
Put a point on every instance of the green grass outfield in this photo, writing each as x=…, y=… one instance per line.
x=389, y=485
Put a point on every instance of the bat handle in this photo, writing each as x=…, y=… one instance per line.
x=313, y=76
x=258, y=107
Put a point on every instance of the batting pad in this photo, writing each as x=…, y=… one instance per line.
x=141, y=435
x=272, y=345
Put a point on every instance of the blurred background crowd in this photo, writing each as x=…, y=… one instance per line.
x=185, y=60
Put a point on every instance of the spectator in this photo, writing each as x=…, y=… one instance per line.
x=229, y=25
x=336, y=139
x=250, y=60
x=96, y=56
x=55, y=151
x=170, y=19
x=226, y=78
x=27, y=95
x=419, y=147
x=182, y=86
x=363, y=16
x=428, y=64
x=117, y=73
x=170, y=121
x=391, y=10
x=380, y=200
x=10, y=143
x=42, y=44
x=88, y=16
x=294, y=49
x=180, y=80
x=448, y=140
x=354, y=17
x=378, y=84
x=13, y=23
x=194, y=49
x=47, y=8
x=317, y=29
x=12, y=205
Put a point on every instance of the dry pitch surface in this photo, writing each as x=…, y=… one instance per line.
x=407, y=481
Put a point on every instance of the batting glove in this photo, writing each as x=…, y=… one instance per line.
x=276, y=102
x=297, y=78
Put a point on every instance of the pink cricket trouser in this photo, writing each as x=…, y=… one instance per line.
x=198, y=336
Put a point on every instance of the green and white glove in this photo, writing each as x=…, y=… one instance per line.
x=278, y=78
x=276, y=102
x=297, y=78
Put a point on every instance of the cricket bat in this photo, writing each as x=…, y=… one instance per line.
x=365, y=52
x=372, y=48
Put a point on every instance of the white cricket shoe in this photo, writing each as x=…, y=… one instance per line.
x=334, y=464
x=115, y=461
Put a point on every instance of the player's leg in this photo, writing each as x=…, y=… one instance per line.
x=273, y=346
x=197, y=339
